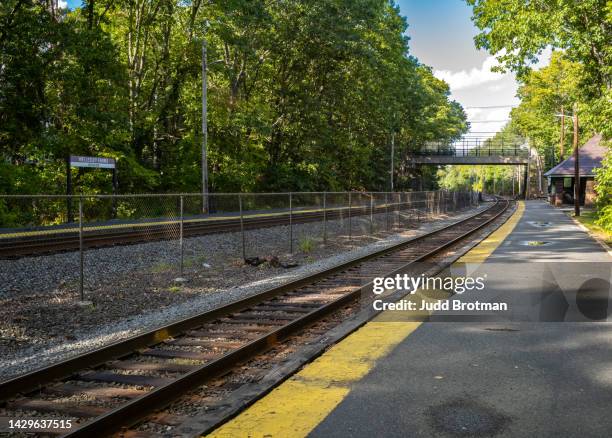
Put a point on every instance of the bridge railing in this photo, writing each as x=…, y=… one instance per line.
x=472, y=148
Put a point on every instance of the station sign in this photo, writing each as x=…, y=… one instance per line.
x=96, y=162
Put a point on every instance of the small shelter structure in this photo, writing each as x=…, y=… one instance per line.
x=561, y=177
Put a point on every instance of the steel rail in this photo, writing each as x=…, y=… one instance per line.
x=30, y=381
x=135, y=409
x=139, y=408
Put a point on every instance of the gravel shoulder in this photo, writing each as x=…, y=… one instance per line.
x=132, y=288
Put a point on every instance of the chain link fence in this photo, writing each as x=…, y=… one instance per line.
x=82, y=261
x=175, y=223
x=35, y=225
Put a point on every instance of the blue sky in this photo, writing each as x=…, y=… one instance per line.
x=441, y=36
x=441, y=32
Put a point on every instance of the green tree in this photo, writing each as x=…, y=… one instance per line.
x=517, y=31
x=303, y=94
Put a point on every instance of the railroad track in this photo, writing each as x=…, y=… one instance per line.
x=126, y=381
x=15, y=247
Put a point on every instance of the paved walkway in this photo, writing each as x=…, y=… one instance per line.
x=513, y=376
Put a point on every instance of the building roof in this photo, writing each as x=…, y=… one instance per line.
x=591, y=155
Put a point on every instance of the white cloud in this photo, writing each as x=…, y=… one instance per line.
x=487, y=120
x=62, y=4
x=476, y=76
x=496, y=87
x=470, y=78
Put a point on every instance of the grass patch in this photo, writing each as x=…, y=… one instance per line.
x=174, y=289
x=161, y=267
x=306, y=244
x=587, y=219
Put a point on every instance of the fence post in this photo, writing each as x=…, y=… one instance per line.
x=431, y=198
x=325, y=217
x=242, y=226
x=290, y=223
x=397, y=211
x=81, y=256
x=181, y=243
x=371, y=213
x=350, y=223
x=387, y=209
x=403, y=204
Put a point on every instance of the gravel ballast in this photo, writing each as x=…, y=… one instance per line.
x=132, y=288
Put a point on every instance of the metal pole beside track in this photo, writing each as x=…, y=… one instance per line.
x=387, y=209
x=350, y=223
x=242, y=226
x=325, y=217
x=371, y=213
x=290, y=223
x=434, y=204
x=181, y=242
x=399, y=211
x=404, y=207
x=81, y=256
x=204, y=152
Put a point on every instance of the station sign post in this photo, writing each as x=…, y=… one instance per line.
x=88, y=162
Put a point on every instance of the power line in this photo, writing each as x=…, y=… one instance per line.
x=491, y=106
x=489, y=121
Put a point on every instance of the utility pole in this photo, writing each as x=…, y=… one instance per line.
x=204, y=129
x=562, y=148
x=576, y=165
x=392, y=157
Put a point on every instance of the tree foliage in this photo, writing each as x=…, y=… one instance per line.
x=544, y=94
x=580, y=73
x=489, y=179
x=303, y=94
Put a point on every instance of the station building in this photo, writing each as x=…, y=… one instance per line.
x=561, y=177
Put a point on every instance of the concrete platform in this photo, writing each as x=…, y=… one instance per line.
x=514, y=377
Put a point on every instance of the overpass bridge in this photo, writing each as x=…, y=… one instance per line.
x=471, y=152
x=474, y=151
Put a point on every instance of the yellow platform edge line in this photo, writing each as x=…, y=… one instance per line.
x=298, y=405
x=484, y=249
